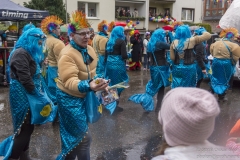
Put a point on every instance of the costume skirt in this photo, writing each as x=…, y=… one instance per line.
x=184, y=75
x=116, y=71
x=222, y=70
x=52, y=74
x=73, y=121
x=159, y=77
x=100, y=66
x=19, y=107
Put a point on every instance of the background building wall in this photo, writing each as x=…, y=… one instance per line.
x=105, y=9
x=191, y=4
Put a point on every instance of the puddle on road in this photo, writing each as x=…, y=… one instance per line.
x=1, y=106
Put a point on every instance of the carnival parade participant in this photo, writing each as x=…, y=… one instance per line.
x=160, y=72
x=92, y=34
x=111, y=26
x=25, y=79
x=146, y=56
x=184, y=73
x=201, y=57
x=76, y=66
x=226, y=53
x=64, y=34
x=137, y=47
x=115, y=57
x=51, y=27
x=171, y=37
x=99, y=44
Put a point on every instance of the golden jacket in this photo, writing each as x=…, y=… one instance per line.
x=189, y=43
x=54, y=47
x=72, y=69
x=219, y=50
x=99, y=44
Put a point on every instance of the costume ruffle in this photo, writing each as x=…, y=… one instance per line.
x=222, y=70
x=184, y=75
x=159, y=77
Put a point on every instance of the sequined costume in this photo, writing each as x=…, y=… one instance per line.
x=25, y=79
x=184, y=75
x=116, y=71
x=159, y=78
x=160, y=72
x=222, y=70
x=184, y=72
x=73, y=122
x=99, y=44
x=115, y=56
x=74, y=65
x=226, y=54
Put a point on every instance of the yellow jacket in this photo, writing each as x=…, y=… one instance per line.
x=72, y=69
x=54, y=47
x=99, y=44
x=219, y=50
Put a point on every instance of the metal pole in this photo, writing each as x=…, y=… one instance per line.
x=66, y=12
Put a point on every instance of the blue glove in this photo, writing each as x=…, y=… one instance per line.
x=129, y=55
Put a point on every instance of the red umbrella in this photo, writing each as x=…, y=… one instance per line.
x=123, y=24
x=167, y=28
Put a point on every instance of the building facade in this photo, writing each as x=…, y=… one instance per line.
x=97, y=10
x=213, y=11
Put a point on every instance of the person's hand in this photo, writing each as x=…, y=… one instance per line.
x=46, y=61
x=99, y=84
x=204, y=71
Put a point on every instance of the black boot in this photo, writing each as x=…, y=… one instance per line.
x=222, y=98
x=118, y=109
x=25, y=156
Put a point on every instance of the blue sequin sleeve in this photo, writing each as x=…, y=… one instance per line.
x=83, y=86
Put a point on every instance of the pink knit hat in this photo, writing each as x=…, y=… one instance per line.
x=188, y=116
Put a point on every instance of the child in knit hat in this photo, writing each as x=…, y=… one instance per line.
x=188, y=117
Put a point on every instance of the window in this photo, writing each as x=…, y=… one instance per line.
x=215, y=9
x=124, y=10
x=152, y=11
x=187, y=14
x=90, y=9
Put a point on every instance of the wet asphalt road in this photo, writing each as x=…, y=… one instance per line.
x=129, y=135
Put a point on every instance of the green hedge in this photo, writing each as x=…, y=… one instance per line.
x=205, y=25
x=131, y=18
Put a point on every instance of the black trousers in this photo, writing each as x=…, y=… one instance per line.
x=82, y=151
x=199, y=83
x=159, y=98
x=22, y=140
